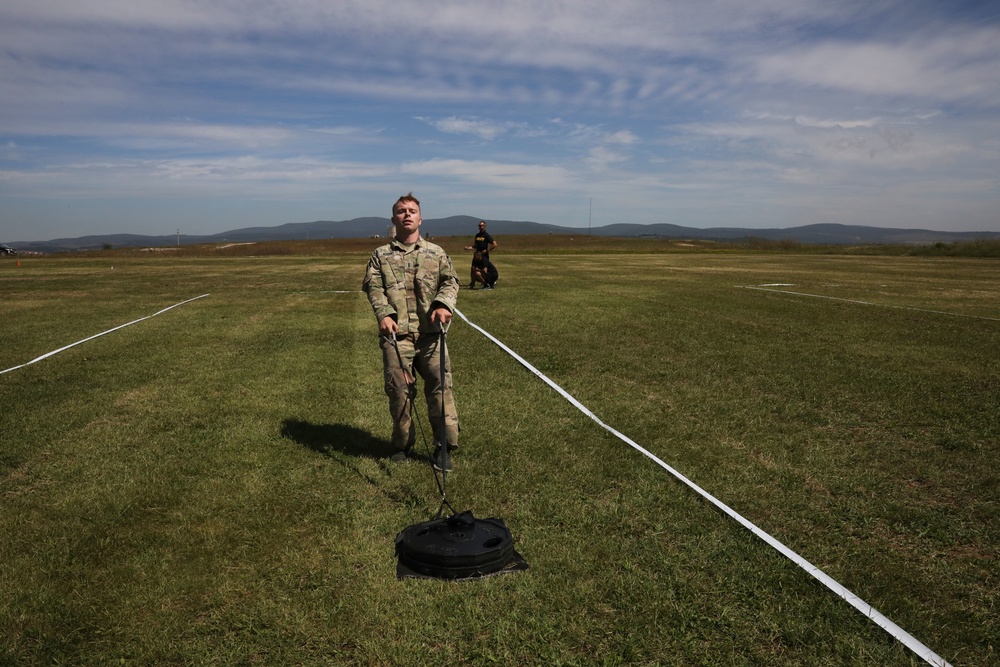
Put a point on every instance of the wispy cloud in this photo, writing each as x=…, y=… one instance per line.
x=481, y=172
x=484, y=129
x=955, y=67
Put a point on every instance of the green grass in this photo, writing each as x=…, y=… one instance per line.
x=210, y=486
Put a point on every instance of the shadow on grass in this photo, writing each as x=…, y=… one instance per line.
x=333, y=439
x=327, y=438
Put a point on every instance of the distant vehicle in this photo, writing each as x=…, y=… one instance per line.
x=7, y=250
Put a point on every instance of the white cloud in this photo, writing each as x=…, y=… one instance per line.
x=602, y=53
x=601, y=158
x=953, y=67
x=483, y=129
x=482, y=172
x=244, y=176
x=807, y=121
x=624, y=137
x=878, y=146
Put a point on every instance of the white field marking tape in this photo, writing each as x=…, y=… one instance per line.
x=763, y=288
x=873, y=614
x=61, y=349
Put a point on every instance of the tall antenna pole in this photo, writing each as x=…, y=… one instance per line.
x=590, y=218
x=178, y=237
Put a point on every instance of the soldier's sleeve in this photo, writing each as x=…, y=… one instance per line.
x=374, y=286
x=448, y=283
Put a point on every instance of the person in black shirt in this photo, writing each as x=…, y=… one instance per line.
x=483, y=272
x=482, y=269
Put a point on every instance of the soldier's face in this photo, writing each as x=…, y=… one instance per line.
x=406, y=216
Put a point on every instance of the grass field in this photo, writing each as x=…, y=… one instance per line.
x=210, y=485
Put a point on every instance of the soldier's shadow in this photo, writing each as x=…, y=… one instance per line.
x=329, y=438
x=333, y=439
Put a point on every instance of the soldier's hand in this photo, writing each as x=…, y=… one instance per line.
x=441, y=316
x=388, y=327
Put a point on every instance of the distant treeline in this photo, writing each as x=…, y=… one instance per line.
x=974, y=248
x=558, y=244
x=978, y=248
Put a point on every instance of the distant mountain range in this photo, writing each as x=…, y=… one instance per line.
x=464, y=225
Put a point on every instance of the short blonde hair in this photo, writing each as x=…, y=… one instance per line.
x=405, y=198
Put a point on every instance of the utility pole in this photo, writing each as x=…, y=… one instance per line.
x=178, y=237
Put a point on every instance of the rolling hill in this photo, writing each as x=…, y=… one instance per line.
x=464, y=225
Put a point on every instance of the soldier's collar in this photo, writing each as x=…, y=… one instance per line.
x=407, y=247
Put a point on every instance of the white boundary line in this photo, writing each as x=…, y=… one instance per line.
x=765, y=288
x=873, y=614
x=122, y=326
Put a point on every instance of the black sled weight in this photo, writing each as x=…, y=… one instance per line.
x=457, y=547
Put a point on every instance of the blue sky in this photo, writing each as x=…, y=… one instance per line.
x=145, y=116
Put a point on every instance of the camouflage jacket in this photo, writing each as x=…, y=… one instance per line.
x=409, y=284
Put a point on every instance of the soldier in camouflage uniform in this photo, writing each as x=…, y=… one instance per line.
x=412, y=287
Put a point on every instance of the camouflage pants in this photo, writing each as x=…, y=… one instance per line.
x=420, y=352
